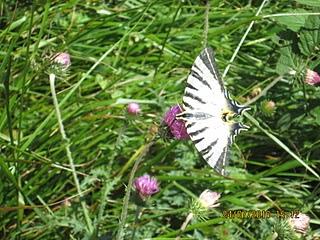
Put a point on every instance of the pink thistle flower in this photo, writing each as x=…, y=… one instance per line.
x=300, y=223
x=201, y=206
x=133, y=108
x=177, y=127
x=209, y=198
x=146, y=186
x=63, y=59
x=312, y=78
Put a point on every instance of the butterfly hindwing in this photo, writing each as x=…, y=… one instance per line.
x=211, y=139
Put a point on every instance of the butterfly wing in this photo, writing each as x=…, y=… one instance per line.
x=211, y=138
x=204, y=87
x=204, y=102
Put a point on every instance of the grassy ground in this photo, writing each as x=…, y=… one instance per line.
x=142, y=51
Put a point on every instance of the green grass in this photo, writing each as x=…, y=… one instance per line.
x=141, y=51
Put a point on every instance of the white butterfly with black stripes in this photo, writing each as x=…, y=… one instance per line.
x=208, y=112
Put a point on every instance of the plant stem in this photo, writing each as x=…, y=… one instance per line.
x=206, y=24
x=242, y=40
x=291, y=14
x=136, y=221
x=128, y=191
x=67, y=148
x=185, y=224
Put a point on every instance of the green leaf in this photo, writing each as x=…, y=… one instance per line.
x=101, y=81
x=117, y=94
x=295, y=22
x=316, y=113
x=314, y=3
x=309, y=36
x=287, y=61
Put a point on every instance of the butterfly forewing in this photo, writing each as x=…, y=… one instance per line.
x=204, y=101
x=204, y=88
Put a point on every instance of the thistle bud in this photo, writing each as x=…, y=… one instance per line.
x=255, y=92
x=133, y=108
x=268, y=107
x=312, y=78
x=63, y=60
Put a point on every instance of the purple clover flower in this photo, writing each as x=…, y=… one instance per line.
x=133, y=108
x=312, y=78
x=146, y=186
x=176, y=127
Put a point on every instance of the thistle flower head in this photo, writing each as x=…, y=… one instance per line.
x=206, y=201
x=146, y=186
x=176, y=128
x=209, y=198
x=133, y=108
x=300, y=223
x=312, y=78
x=63, y=60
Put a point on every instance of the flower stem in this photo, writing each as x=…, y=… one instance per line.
x=136, y=221
x=184, y=225
x=124, y=212
x=67, y=148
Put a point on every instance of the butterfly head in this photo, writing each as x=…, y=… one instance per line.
x=232, y=118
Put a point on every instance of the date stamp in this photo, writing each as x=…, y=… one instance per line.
x=259, y=214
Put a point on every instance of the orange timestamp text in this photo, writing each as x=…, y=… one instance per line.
x=259, y=214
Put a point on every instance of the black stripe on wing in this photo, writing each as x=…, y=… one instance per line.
x=194, y=97
x=198, y=69
x=189, y=85
x=196, y=141
x=197, y=132
x=197, y=76
x=187, y=105
x=193, y=116
x=208, y=150
x=207, y=57
x=223, y=160
x=191, y=124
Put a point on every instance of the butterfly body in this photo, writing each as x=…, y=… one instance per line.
x=209, y=112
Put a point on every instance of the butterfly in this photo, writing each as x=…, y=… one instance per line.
x=209, y=112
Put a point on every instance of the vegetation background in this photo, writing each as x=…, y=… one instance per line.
x=141, y=51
